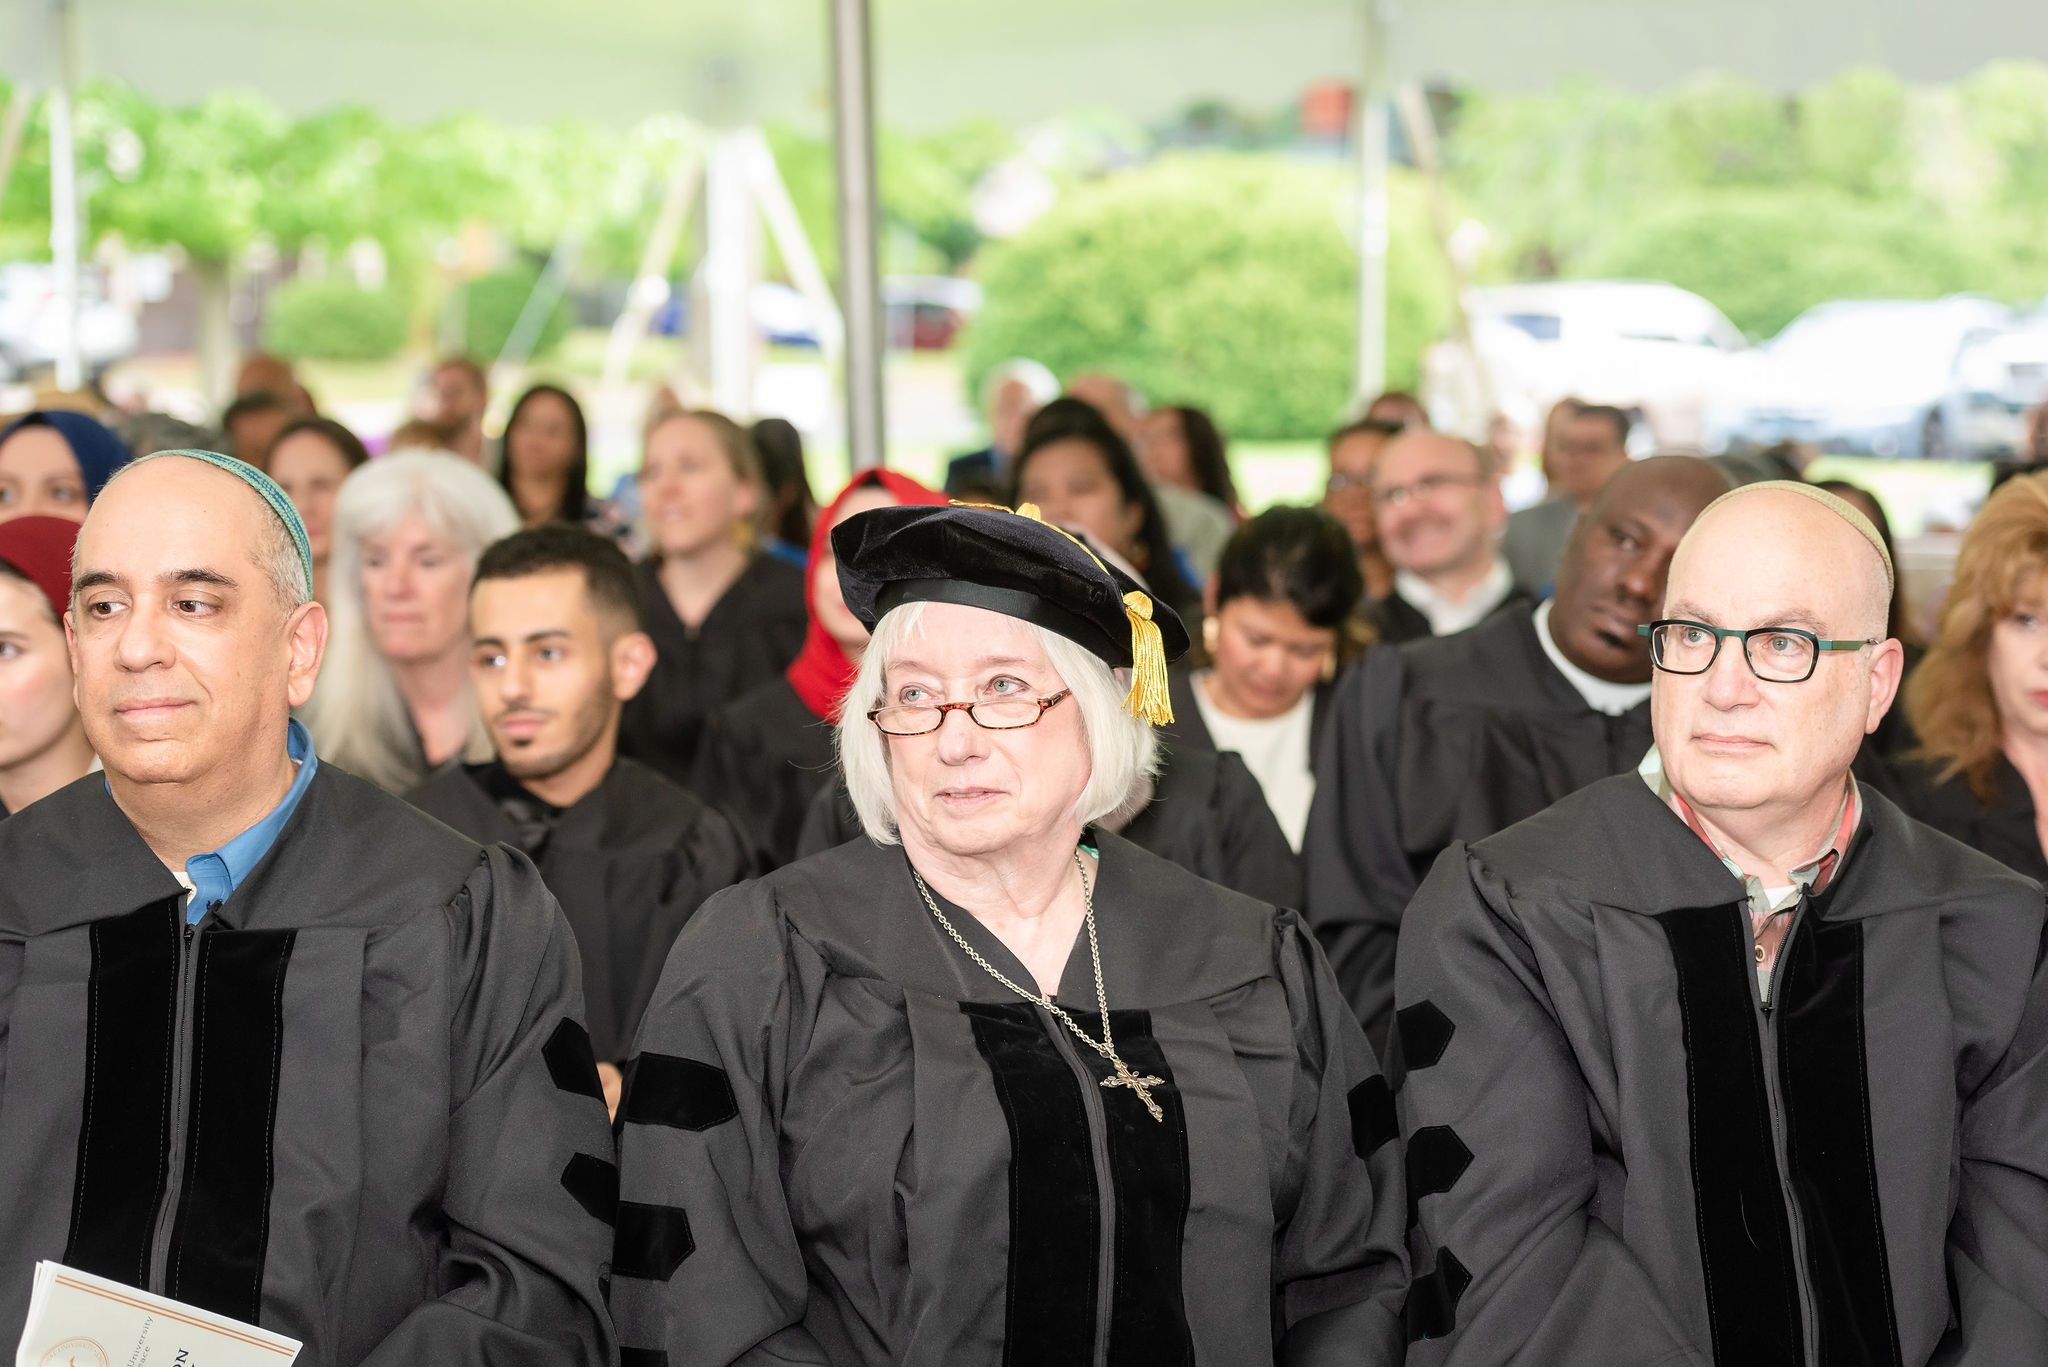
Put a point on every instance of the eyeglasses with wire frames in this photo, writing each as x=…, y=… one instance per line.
x=992, y=714
x=1774, y=654
x=1424, y=490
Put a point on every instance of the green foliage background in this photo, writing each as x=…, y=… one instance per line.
x=490, y=307
x=1862, y=186
x=334, y=320
x=1217, y=279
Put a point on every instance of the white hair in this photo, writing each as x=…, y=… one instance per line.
x=1123, y=753
x=279, y=555
x=357, y=716
x=1039, y=382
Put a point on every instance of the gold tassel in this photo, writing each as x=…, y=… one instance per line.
x=1147, y=698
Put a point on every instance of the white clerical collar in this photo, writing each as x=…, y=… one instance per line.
x=1600, y=695
x=1446, y=615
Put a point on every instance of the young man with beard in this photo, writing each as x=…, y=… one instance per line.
x=1456, y=738
x=558, y=650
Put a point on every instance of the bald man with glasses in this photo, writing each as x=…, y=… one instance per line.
x=1726, y=1060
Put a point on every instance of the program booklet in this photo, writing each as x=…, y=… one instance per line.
x=78, y=1320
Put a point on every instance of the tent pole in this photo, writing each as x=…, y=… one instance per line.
x=650, y=290
x=860, y=286
x=64, y=193
x=731, y=266
x=1371, y=375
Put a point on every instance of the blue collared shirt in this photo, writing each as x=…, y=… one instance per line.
x=215, y=875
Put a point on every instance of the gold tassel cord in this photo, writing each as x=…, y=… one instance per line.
x=1148, y=697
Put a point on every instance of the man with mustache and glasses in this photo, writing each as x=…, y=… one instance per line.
x=1437, y=503
x=1728, y=1060
x=271, y=1042
x=1454, y=739
x=555, y=615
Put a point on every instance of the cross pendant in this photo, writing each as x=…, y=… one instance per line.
x=1139, y=1084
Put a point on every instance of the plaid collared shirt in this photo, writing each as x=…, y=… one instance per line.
x=1770, y=909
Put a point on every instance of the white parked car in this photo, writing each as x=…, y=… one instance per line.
x=30, y=320
x=1640, y=345
x=2001, y=378
x=1877, y=377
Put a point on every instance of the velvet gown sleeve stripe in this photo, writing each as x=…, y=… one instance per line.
x=124, y=1138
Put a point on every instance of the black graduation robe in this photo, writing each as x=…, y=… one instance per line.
x=844, y=1143
x=355, y=1104
x=2004, y=828
x=1446, y=739
x=1207, y=814
x=749, y=636
x=1395, y=620
x=629, y=863
x=763, y=758
x=1617, y=1156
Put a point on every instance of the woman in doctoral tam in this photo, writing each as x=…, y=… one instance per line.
x=878, y=1113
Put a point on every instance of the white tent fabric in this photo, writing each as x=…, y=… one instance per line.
x=621, y=60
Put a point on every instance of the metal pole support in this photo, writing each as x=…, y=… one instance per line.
x=860, y=284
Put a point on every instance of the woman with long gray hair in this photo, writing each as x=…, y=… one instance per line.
x=993, y=1085
x=394, y=700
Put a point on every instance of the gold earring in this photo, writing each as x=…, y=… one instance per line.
x=1209, y=632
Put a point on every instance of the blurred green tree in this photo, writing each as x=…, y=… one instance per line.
x=1217, y=279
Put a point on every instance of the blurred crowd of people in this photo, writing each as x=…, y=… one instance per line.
x=640, y=694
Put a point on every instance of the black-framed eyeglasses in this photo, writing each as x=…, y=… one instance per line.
x=1775, y=654
x=994, y=714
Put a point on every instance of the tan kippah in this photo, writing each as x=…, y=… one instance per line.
x=1839, y=507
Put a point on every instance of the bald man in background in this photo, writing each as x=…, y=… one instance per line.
x=273, y=1043
x=1727, y=1061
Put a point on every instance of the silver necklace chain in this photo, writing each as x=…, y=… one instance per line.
x=1123, y=1077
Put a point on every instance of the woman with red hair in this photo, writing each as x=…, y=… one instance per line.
x=766, y=753
x=1979, y=700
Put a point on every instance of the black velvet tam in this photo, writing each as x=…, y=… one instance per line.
x=992, y=558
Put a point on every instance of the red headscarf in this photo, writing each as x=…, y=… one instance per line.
x=40, y=547
x=821, y=672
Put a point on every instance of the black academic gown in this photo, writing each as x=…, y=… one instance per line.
x=1207, y=814
x=749, y=636
x=1618, y=1158
x=1447, y=739
x=1395, y=620
x=842, y=1142
x=764, y=757
x=629, y=863
x=2002, y=828
x=356, y=1105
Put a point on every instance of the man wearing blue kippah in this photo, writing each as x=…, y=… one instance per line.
x=271, y=1042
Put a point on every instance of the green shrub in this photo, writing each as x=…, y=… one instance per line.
x=491, y=305
x=1764, y=256
x=1224, y=281
x=334, y=320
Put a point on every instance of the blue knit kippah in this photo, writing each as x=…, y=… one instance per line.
x=264, y=485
